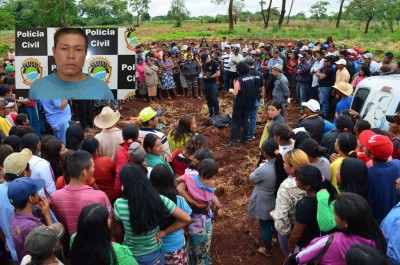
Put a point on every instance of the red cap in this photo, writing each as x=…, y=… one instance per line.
x=290, y=44
x=380, y=146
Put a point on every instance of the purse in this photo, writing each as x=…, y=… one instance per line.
x=291, y=260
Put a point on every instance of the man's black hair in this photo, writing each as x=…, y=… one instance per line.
x=67, y=31
x=77, y=162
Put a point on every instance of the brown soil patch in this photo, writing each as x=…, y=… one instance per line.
x=235, y=236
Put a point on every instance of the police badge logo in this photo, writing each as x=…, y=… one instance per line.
x=31, y=70
x=100, y=68
x=130, y=38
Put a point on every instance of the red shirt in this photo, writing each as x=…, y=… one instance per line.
x=68, y=203
x=179, y=163
x=104, y=174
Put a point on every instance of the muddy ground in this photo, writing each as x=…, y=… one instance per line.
x=235, y=236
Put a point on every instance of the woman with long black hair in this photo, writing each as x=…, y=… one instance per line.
x=163, y=180
x=91, y=244
x=354, y=218
x=139, y=213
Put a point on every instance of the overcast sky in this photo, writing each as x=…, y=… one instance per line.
x=204, y=7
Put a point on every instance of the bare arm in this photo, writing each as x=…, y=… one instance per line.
x=182, y=189
x=297, y=233
x=182, y=219
x=117, y=230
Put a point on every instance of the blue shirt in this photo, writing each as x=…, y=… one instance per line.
x=327, y=127
x=51, y=87
x=382, y=191
x=272, y=62
x=176, y=240
x=54, y=115
x=342, y=105
x=6, y=212
x=391, y=229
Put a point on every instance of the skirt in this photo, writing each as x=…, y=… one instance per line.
x=168, y=81
x=183, y=81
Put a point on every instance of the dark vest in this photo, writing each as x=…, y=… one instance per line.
x=248, y=93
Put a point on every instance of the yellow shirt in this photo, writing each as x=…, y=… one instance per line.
x=5, y=125
x=335, y=165
x=342, y=76
x=265, y=133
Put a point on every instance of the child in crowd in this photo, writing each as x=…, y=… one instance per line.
x=197, y=186
x=181, y=159
x=181, y=135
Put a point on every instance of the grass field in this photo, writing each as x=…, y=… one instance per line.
x=378, y=40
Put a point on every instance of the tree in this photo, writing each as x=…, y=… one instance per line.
x=339, y=17
x=290, y=11
x=230, y=11
x=178, y=12
x=364, y=10
x=283, y=11
x=238, y=7
x=389, y=10
x=318, y=10
x=145, y=16
x=139, y=7
x=265, y=19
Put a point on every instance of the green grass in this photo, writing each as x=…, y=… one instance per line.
x=378, y=40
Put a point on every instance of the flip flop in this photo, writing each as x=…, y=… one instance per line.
x=263, y=251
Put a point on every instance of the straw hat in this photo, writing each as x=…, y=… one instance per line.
x=344, y=87
x=107, y=118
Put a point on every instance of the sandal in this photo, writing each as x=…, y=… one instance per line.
x=263, y=251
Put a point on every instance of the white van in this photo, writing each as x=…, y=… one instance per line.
x=377, y=96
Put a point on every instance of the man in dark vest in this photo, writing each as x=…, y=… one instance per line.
x=245, y=98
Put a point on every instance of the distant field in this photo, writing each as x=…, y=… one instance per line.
x=378, y=40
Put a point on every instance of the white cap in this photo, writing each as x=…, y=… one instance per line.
x=368, y=55
x=341, y=61
x=312, y=104
x=304, y=48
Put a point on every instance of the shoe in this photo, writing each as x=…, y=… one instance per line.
x=251, y=138
x=231, y=144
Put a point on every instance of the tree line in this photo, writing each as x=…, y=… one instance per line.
x=57, y=13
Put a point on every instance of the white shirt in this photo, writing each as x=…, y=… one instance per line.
x=41, y=169
x=318, y=65
x=109, y=140
x=236, y=58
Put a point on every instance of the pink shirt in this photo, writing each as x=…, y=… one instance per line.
x=68, y=203
x=196, y=189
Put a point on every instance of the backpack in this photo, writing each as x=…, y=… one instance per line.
x=396, y=148
x=220, y=121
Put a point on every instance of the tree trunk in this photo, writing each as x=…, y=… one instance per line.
x=290, y=11
x=367, y=25
x=230, y=12
x=283, y=11
x=263, y=14
x=269, y=12
x=137, y=19
x=339, y=17
x=64, y=6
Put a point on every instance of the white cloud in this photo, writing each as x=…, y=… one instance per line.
x=203, y=8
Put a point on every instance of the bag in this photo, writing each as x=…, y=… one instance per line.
x=220, y=121
x=292, y=259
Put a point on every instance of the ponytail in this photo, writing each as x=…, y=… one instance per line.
x=199, y=156
x=280, y=171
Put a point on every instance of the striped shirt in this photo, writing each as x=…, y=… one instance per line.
x=68, y=202
x=139, y=244
x=197, y=190
x=225, y=61
x=144, y=131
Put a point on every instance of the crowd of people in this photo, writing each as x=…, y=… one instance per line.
x=141, y=195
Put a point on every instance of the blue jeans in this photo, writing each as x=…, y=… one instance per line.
x=226, y=80
x=266, y=230
x=253, y=119
x=60, y=131
x=211, y=92
x=324, y=93
x=283, y=104
x=303, y=88
x=240, y=118
x=151, y=259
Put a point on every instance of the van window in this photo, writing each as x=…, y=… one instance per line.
x=359, y=99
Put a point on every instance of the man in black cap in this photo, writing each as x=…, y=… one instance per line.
x=210, y=70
